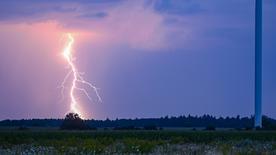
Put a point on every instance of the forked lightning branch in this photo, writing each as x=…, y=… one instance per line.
x=77, y=78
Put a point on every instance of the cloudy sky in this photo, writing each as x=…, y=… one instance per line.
x=149, y=58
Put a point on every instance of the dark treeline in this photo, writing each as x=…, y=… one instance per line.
x=32, y=123
x=181, y=121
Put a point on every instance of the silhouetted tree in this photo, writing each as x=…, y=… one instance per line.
x=73, y=121
x=268, y=123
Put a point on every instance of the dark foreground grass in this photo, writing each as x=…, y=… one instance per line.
x=136, y=141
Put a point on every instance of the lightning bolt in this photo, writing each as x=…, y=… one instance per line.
x=77, y=78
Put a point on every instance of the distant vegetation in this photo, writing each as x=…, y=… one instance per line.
x=72, y=121
x=137, y=136
x=205, y=121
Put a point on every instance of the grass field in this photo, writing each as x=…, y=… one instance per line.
x=137, y=142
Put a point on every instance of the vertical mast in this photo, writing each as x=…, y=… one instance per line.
x=258, y=64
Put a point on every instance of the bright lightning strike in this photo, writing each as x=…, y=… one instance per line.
x=77, y=78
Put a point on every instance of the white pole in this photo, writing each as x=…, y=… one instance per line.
x=258, y=64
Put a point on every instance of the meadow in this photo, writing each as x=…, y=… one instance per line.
x=137, y=142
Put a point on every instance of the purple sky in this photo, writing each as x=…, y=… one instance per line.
x=150, y=58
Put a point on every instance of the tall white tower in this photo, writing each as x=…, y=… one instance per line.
x=258, y=64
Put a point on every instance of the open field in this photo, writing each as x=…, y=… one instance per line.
x=137, y=142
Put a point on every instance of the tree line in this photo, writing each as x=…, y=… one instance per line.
x=180, y=121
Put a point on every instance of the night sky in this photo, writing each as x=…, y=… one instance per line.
x=149, y=58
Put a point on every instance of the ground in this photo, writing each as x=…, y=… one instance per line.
x=54, y=141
